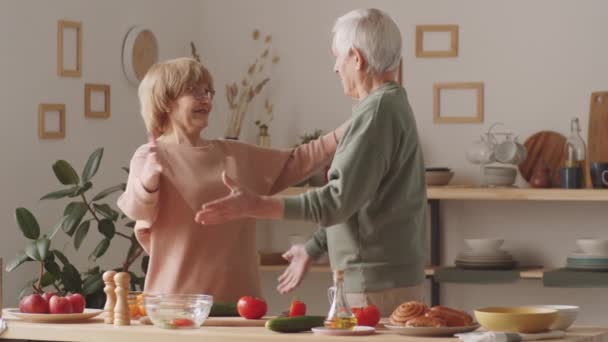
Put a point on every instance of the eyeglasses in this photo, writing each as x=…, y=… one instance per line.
x=201, y=93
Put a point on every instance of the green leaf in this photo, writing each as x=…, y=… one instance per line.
x=71, y=279
x=106, y=227
x=144, y=263
x=61, y=257
x=19, y=259
x=31, y=250
x=82, y=189
x=27, y=223
x=47, y=279
x=109, y=191
x=106, y=211
x=75, y=211
x=92, y=164
x=130, y=224
x=92, y=284
x=81, y=233
x=57, y=227
x=65, y=173
x=60, y=193
x=43, y=244
x=52, y=267
x=100, y=250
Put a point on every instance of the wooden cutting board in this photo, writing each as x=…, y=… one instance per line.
x=544, y=147
x=235, y=322
x=597, y=139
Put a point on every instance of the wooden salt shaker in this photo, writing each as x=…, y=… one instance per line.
x=122, y=315
x=108, y=279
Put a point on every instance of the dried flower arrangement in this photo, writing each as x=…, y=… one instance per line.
x=263, y=123
x=240, y=95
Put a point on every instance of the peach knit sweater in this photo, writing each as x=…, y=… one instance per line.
x=186, y=257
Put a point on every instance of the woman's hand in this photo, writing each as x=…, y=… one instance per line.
x=299, y=263
x=152, y=167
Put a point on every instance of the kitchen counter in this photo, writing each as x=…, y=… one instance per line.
x=95, y=331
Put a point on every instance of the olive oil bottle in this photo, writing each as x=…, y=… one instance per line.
x=340, y=316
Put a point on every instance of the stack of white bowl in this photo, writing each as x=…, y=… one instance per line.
x=593, y=255
x=566, y=315
x=485, y=254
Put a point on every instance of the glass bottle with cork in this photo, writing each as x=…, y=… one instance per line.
x=340, y=315
x=571, y=174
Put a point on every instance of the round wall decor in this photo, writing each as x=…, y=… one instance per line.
x=139, y=53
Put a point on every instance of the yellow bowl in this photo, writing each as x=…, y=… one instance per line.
x=522, y=319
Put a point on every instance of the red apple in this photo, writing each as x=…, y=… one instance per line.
x=77, y=301
x=47, y=296
x=34, y=303
x=60, y=305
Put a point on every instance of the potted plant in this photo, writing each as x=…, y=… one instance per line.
x=79, y=216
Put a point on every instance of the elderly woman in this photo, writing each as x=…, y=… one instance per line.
x=372, y=211
x=178, y=171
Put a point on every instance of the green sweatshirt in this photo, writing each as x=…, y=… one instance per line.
x=373, y=210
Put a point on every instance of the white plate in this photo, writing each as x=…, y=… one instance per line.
x=485, y=260
x=358, y=330
x=429, y=331
x=495, y=254
x=54, y=318
x=584, y=256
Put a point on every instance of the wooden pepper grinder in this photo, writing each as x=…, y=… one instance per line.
x=108, y=279
x=121, y=310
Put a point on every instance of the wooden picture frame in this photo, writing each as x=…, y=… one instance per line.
x=452, y=29
x=61, y=26
x=88, y=91
x=476, y=118
x=43, y=108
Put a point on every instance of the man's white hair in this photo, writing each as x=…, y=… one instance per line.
x=374, y=34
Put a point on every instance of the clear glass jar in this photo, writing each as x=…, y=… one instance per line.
x=574, y=149
x=340, y=315
x=135, y=300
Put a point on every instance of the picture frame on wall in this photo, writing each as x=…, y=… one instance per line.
x=89, y=90
x=43, y=132
x=476, y=117
x=452, y=30
x=62, y=27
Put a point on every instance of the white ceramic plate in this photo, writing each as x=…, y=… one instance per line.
x=54, y=318
x=496, y=254
x=583, y=256
x=429, y=331
x=358, y=330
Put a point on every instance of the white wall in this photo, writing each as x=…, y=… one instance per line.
x=539, y=61
x=28, y=36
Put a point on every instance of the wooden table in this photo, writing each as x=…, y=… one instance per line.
x=96, y=331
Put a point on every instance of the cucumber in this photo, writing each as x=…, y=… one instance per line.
x=223, y=309
x=294, y=324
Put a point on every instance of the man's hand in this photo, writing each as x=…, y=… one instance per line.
x=238, y=204
x=299, y=264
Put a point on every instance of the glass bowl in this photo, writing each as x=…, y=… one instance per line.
x=178, y=311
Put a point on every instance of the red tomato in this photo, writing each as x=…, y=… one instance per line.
x=182, y=322
x=251, y=307
x=369, y=315
x=297, y=308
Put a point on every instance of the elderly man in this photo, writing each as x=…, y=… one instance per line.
x=372, y=211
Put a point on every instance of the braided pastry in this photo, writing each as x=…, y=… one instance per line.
x=407, y=311
x=423, y=321
x=453, y=318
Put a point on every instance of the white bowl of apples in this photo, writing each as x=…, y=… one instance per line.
x=51, y=307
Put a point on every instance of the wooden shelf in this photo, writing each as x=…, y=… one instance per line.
x=536, y=273
x=467, y=192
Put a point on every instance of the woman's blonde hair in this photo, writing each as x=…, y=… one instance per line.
x=164, y=83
